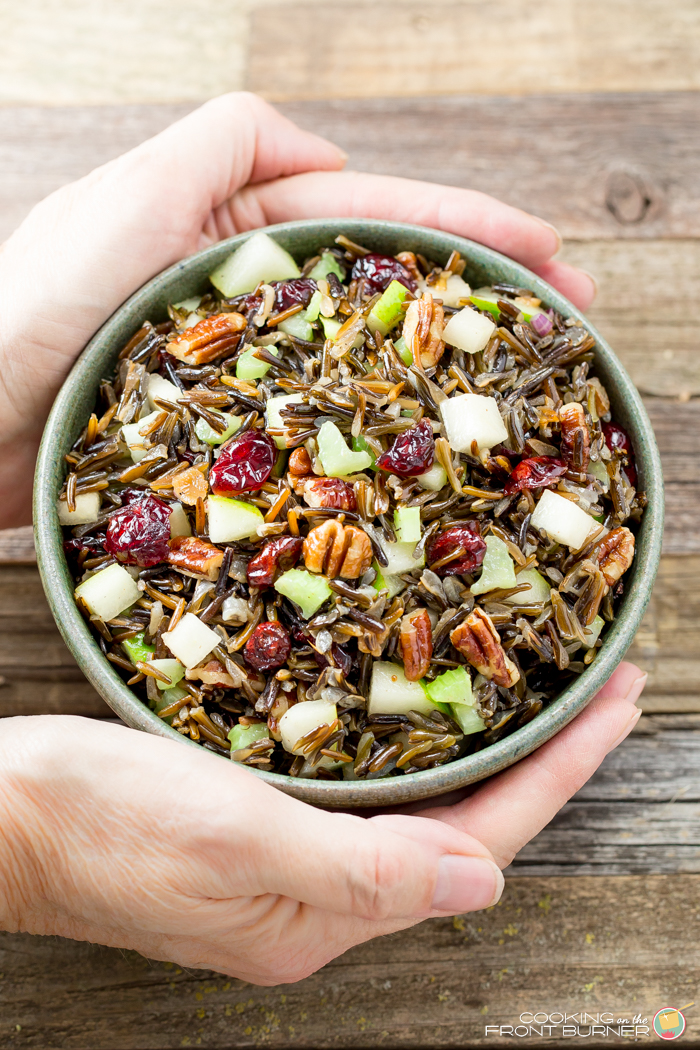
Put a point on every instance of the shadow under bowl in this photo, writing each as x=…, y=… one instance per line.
x=75, y=402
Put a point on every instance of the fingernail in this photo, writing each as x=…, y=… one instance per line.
x=466, y=884
x=636, y=689
x=555, y=231
x=343, y=155
x=592, y=279
x=636, y=715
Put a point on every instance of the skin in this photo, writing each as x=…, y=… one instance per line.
x=129, y=840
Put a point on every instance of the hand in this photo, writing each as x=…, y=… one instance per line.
x=134, y=841
x=228, y=167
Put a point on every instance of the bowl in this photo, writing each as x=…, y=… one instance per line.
x=189, y=277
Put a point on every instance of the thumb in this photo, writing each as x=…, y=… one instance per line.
x=387, y=867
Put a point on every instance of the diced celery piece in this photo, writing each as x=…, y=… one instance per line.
x=467, y=718
x=451, y=687
x=598, y=469
x=592, y=633
x=172, y=668
x=360, y=445
x=331, y=327
x=206, y=433
x=280, y=464
x=168, y=697
x=539, y=588
x=407, y=524
x=250, y=367
x=325, y=265
x=337, y=459
x=298, y=326
x=403, y=351
x=387, y=311
x=314, y=308
x=305, y=589
x=400, y=558
x=137, y=649
x=258, y=259
x=189, y=304
x=497, y=568
x=244, y=736
x=433, y=479
x=232, y=519
x=384, y=581
x=483, y=300
x=391, y=693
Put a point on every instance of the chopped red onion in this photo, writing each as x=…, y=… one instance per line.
x=542, y=324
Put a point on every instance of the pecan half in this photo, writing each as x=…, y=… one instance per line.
x=575, y=442
x=337, y=550
x=416, y=643
x=190, y=485
x=300, y=462
x=408, y=259
x=329, y=492
x=213, y=673
x=480, y=642
x=196, y=557
x=422, y=330
x=615, y=554
x=208, y=339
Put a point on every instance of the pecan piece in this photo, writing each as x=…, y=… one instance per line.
x=213, y=673
x=575, y=440
x=208, y=339
x=300, y=462
x=416, y=643
x=408, y=259
x=276, y=557
x=195, y=557
x=337, y=550
x=480, y=642
x=329, y=492
x=615, y=554
x=422, y=330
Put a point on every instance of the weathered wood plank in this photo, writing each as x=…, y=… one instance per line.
x=17, y=547
x=583, y=162
x=343, y=50
x=627, y=945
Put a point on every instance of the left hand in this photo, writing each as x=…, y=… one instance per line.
x=230, y=166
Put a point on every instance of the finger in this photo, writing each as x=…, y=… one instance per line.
x=466, y=213
x=514, y=806
x=577, y=285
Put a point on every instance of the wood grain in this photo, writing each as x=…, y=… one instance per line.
x=624, y=944
x=405, y=47
x=585, y=163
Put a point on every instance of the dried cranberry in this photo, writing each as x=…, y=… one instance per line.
x=292, y=293
x=617, y=439
x=268, y=646
x=276, y=556
x=534, y=473
x=412, y=452
x=138, y=533
x=249, y=304
x=245, y=463
x=329, y=492
x=380, y=270
x=445, y=543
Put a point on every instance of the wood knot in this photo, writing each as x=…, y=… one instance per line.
x=628, y=197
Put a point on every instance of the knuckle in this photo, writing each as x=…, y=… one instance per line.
x=377, y=884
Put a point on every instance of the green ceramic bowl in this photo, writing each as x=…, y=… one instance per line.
x=74, y=404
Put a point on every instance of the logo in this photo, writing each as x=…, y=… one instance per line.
x=669, y=1023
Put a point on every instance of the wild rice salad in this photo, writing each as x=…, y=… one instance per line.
x=352, y=521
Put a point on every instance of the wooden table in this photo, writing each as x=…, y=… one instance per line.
x=601, y=910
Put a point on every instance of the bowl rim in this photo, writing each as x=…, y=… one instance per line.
x=492, y=759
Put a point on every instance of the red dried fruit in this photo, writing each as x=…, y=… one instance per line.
x=329, y=492
x=268, y=646
x=412, y=453
x=617, y=439
x=468, y=538
x=534, y=473
x=380, y=270
x=245, y=463
x=276, y=557
x=138, y=534
x=292, y=293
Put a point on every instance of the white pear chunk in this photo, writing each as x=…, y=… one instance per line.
x=472, y=417
x=303, y=718
x=562, y=520
x=191, y=641
x=109, y=592
x=456, y=289
x=132, y=433
x=274, y=419
x=179, y=522
x=163, y=388
x=87, y=509
x=400, y=556
x=258, y=259
x=390, y=692
x=232, y=519
x=469, y=330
